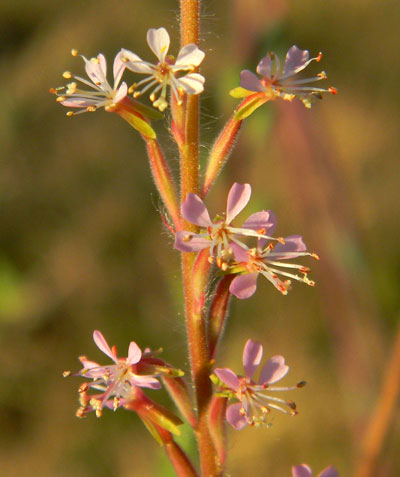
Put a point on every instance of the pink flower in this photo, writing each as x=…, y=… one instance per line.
x=269, y=260
x=304, y=470
x=282, y=83
x=101, y=94
x=219, y=235
x=254, y=399
x=119, y=380
x=163, y=74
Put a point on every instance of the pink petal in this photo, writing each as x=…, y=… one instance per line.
x=296, y=60
x=97, y=70
x=134, y=353
x=118, y=68
x=252, y=355
x=301, y=471
x=77, y=103
x=234, y=416
x=240, y=253
x=102, y=344
x=273, y=370
x=329, y=472
x=264, y=67
x=228, y=377
x=288, y=250
x=238, y=198
x=189, y=55
x=244, y=286
x=194, y=245
x=158, y=40
x=265, y=219
x=121, y=93
x=146, y=382
x=194, y=211
x=134, y=63
x=250, y=81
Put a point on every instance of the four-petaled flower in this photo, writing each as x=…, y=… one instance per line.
x=255, y=402
x=282, y=83
x=265, y=259
x=219, y=236
x=101, y=93
x=116, y=382
x=304, y=470
x=164, y=72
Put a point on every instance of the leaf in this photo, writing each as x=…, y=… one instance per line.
x=240, y=92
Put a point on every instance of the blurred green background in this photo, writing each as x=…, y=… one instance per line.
x=82, y=246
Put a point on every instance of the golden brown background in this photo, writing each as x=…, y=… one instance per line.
x=82, y=247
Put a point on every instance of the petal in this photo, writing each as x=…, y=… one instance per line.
x=146, y=382
x=235, y=417
x=265, y=219
x=292, y=247
x=121, y=93
x=189, y=55
x=134, y=353
x=273, y=370
x=158, y=40
x=77, y=103
x=195, y=244
x=96, y=69
x=194, y=211
x=192, y=83
x=252, y=355
x=301, y=471
x=264, y=67
x=238, y=198
x=241, y=254
x=296, y=60
x=102, y=344
x=244, y=286
x=134, y=63
x=118, y=68
x=329, y=472
x=250, y=81
x=228, y=377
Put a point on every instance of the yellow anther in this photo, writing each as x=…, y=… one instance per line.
x=152, y=97
x=80, y=412
x=74, y=52
x=66, y=374
x=91, y=109
x=60, y=99
x=67, y=75
x=131, y=88
x=322, y=75
x=136, y=94
x=70, y=113
x=187, y=237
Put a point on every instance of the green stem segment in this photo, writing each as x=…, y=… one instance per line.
x=195, y=323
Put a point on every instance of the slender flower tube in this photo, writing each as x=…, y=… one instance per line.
x=304, y=470
x=255, y=400
x=163, y=74
x=277, y=83
x=219, y=235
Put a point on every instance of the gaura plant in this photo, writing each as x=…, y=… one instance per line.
x=220, y=257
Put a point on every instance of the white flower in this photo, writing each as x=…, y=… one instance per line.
x=164, y=72
x=101, y=93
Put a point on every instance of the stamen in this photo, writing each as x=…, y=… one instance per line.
x=332, y=90
x=67, y=75
x=66, y=374
x=318, y=58
x=70, y=113
x=74, y=52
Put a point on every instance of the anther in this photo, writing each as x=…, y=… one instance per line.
x=319, y=56
x=281, y=240
x=322, y=75
x=152, y=97
x=74, y=52
x=332, y=90
x=70, y=113
x=52, y=91
x=67, y=75
x=60, y=99
x=66, y=374
x=301, y=384
x=187, y=237
x=292, y=405
x=91, y=109
x=83, y=388
x=80, y=413
x=316, y=256
x=131, y=88
x=305, y=270
x=137, y=94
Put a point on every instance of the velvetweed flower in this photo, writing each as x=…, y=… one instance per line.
x=117, y=382
x=270, y=261
x=219, y=235
x=255, y=402
x=101, y=94
x=276, y=83
x=304, y=470
x=163, y=74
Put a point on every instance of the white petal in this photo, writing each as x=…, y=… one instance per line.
x=118, y=68
x=189, y=55
x=121, y=93
x=192, y=83
x=134, y=63
x=158, y=41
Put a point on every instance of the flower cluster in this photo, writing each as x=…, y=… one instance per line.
x=118, y=383
x=161, y=75
x=231, y=253
x=255, y=402
x=281, y=83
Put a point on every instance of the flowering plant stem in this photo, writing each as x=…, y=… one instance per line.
x=195, y=324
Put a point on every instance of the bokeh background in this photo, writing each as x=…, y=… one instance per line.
x=82, y=246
